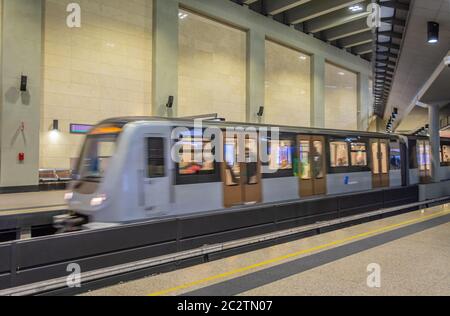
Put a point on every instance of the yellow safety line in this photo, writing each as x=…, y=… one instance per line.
x=296, y=254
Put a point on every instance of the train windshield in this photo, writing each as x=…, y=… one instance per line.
x=96, y=156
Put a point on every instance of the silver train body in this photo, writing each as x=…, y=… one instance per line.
x=127, y=174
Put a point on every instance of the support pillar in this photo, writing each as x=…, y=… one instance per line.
x=435, y=142
x=21, y=51
x=317, y=91
x=256, y=56
x=165, y=57
x=363, y=102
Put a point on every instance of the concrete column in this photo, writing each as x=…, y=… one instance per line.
x=363, y=102
x=256, y=57
x=165, y=57
x=435, y=142
x=317, y=91
x=21, y=47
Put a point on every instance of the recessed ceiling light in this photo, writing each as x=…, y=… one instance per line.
x=356, y=8
x=340, y=73
x=182, y=15
x=433, y=32
x=302, y=57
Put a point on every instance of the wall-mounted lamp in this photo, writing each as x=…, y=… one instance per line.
x=433, y=32
x=55, y=126
x=23, y=83
x=169, y=104
x=260, y=112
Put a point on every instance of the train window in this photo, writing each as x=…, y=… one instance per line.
x=413, y=163
x=251, y=159
x=305, y=165
x=192, y=156
x=280, y=155
x=395, y=159
x=233, y=167
x=445, y=154
x=424, y=155
x=317, y=155
x=155, y=162
x=358, y=154
x=339, y=154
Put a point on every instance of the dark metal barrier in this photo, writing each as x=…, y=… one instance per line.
x=26, y=262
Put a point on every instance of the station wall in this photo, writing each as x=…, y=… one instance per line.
x=128, y=57
x=98, y=71
x=287, y=86
x=212, y=68
x=341, y=98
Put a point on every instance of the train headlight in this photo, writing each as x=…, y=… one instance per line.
x=99, y=200
x=68, y=196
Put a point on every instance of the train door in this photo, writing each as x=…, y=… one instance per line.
x=380, y=163
x=424, y=161
x=312, y=165
x=156, y=192
x=241, y=172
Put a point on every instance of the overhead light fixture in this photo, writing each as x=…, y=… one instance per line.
x=341, y=73
x=356, y=8
x=182, y=15
x=302, y=57
x=433, y=32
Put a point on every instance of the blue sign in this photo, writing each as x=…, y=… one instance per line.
x=80, y=128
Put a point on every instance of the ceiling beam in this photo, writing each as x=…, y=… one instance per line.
x=334, y=19
x=345, y=30
x=394, y=21
x=274, y=7
x=248, y=1
x=316, y=9
x=362, y=49
x=391, y=34
x=355, y=40
x=395, y=5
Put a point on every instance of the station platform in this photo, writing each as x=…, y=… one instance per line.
x=26, y=215
x=410, y=252
x=22, y=201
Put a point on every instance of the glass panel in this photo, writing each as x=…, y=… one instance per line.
x=339, y=154
x=280, y=157
x=155, y=163
x=233, y=168
x=427, y=156
x=421, y=151
x=395, y=161
x=358, y=154
x=375, y=159
x=446, y=153
x=251, y=159
x=192, y=159
x=96, y=156
x=384, y=158
x=305, y=165
x=318, y=172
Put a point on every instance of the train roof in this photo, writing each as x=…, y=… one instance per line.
x=224, y=124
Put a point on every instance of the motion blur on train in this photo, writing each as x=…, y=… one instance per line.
x=127, y=172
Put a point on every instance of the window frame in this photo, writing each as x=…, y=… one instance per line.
x=397, y=146
x=286, y=173
x=148, y=158
x=349, y=140
x=198, y=178
x=444, y=142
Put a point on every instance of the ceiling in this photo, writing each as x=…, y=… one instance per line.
x=419, y=59
x=334, y=22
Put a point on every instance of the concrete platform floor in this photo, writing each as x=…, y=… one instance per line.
x=22, y=201
x=412, y=251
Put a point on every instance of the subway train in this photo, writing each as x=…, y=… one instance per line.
x=143, y=168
